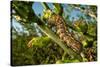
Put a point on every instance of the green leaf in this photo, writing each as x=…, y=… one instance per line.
x=92, y=29
x=59, y=62
x=58, y=8
x=71, y=61
x=40, y=41
x=81, y=26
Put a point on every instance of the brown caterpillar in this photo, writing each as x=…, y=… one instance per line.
x=64, y=34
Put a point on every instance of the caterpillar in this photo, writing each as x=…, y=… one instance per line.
x=63, y=33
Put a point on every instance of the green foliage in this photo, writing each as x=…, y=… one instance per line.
x=71, y=61
x=80, y=25
x=41, y=41
x=21, y=55
x=48, y=48
x=58, y=8
x=92, y=28
x=59, y=62
x=67, y=61
x=23, y=14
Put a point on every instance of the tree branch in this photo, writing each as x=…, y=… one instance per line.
x=45, y=6
x=56, y=39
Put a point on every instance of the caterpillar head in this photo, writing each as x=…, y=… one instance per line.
x=47, y=14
